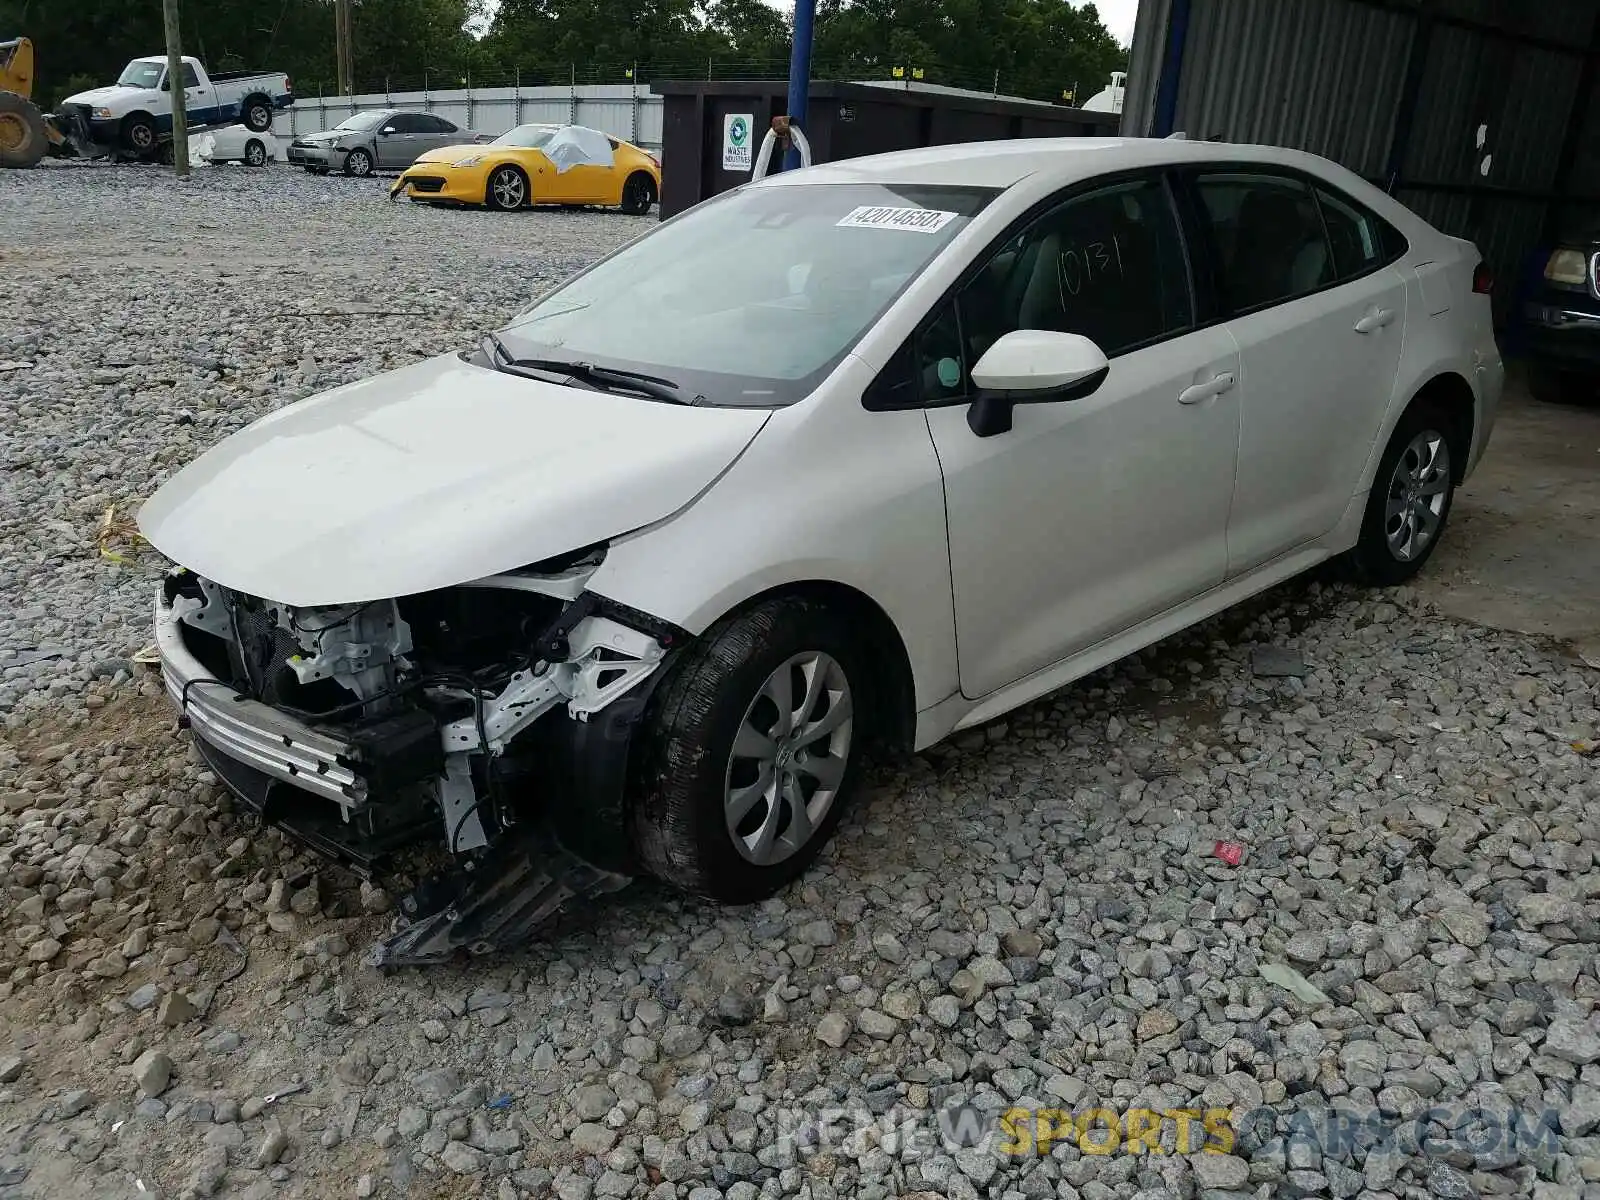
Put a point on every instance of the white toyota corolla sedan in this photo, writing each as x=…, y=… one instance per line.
x=868, y=452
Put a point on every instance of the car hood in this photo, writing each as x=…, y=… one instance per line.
x=430, y=476
x=328, y=137
x=452, y=153
x=101, y=97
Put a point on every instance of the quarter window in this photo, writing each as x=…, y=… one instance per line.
x=1268, y=237
x=1360, y=240
x=1108, y=265
x=190, y=79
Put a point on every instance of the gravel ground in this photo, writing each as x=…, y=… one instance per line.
x=1391, y=993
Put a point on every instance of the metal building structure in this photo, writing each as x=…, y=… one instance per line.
x=1481, y=115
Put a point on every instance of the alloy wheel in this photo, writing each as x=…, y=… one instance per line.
x=1418, y=490
x=789, y=758
x=508, y=188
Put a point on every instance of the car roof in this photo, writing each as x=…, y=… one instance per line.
x=1005, y=164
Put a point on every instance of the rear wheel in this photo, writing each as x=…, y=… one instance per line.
x=507, y=189
x=1410, y=499
x=257, y=114
x=255, y=153
x=638, y=194
x=23, y=140
x=358, y=163
x=749, y=752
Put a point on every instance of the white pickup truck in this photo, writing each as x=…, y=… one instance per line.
x=134, y=114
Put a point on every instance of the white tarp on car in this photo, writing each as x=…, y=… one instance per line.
x=575, y=146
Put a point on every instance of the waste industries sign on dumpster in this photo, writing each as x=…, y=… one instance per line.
x=737, y=132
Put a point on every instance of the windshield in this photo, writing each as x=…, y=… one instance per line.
x=364, y=120
x=529, y=137
x=140, y=75
x=749, y=300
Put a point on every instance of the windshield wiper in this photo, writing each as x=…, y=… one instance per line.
x=603, y=378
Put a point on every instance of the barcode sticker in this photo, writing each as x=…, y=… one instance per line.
x=916, y=220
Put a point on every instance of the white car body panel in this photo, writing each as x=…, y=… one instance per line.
x=1098, y=531
x=429, y=476
x=1090, y=529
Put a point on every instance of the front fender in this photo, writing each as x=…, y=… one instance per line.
x=828, y=492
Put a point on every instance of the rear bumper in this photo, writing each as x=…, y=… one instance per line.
x=250, y=733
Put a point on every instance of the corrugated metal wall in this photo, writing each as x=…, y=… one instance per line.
x=1319, y=75
x=633, y=114
x=1482, y=152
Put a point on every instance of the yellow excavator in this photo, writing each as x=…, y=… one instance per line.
x=26, y=135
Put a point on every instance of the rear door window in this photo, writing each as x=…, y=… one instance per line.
x=1267, y=236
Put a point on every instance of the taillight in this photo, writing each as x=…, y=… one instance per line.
x=1483, y=280
x=287, y=86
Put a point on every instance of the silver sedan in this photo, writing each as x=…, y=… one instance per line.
x=383, y=139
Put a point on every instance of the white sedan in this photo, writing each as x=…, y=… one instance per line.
x=869, y=452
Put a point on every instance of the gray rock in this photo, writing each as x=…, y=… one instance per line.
x=1221, y=1172
x=590, y=1138
x=834, y=1029
x=594, y=1102
x=1572, y=1041
x=152, y=1071
x=462, y=1158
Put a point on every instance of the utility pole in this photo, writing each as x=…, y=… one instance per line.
x=180, y=119
x=342, y=48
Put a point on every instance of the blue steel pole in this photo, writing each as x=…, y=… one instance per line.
x=805, y=13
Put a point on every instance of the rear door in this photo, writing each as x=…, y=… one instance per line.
x=1305, y=279
x=437, y=133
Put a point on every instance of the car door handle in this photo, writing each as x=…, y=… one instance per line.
x=1375, y=320
x=1204, y=391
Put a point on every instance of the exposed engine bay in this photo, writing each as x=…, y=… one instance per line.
x=471, y=719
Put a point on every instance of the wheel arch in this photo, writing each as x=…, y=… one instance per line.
x=496, y=165
x=1454, y=395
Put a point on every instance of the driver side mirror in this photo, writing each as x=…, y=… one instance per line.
x=166, y=85
x=1032, y=366
x=388, y=130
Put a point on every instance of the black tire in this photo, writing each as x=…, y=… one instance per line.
x=1374, y=560
x=685, y=762
x=139, y=134
x=1557, y=385
x=638, y=194
x=23, y=140
x=358, y=163
x=498, y=197
x=255, y=153
x=256, y=114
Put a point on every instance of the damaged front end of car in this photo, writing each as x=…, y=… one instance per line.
x=485, y=724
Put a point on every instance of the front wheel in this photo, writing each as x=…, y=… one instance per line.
x=638, y=194
x=139, y=135
x=358, y=162
x=1410, y=498
x=749, y=752
x=507, y=189
x=255, y=153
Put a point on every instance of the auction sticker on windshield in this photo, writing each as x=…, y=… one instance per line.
x=917, y=220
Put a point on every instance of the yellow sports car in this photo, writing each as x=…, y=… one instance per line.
x=537, y=164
